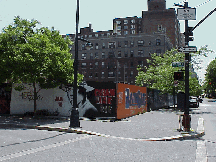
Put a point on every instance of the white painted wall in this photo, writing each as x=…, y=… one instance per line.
x=22, y=101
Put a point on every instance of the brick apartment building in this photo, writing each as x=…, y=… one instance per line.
x=116, y=53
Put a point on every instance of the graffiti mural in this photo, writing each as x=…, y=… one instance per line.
x=134, y=99
x=59, y=100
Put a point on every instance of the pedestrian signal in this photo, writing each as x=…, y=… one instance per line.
x=178, y=76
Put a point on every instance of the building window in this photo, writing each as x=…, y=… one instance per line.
x=96, y=55
x=96, y=35
x=126, y=43
x=158, y=52
x=140, y=21
x=91, y=65
x=140, y=63
x=111, y=55
x=83, y=56
x=132, y=21
x=126, y=54
x=103, y=46
x=96, y=45
x=102, y=34
x=132, y=65
x=132, y=44
x=85, y=36
x=132, y=26
x=125, y=21
x=125, y=27
x=96, y=64
x=132, y=54
x=140, y=53
x=159, y=27
x=149, y=43
x=119, y=44
x=83, y=65
x=131, y=74
x=90, y=36
x=133, y=32
x=102, y=75
x=108, y=34
x=118, y=27
x=140, y=42
x=158, y=42
x=91, y=56
x=103, y=64
x=118, y=22
x=111, y=44
x=111, y=74
x=103, y=55
x=118, y=32
x=90, y=75
x=83, y=46
x=125, y=32
x=119, y=53
x=96, y=75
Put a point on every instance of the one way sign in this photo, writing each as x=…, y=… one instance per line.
x=188, y=49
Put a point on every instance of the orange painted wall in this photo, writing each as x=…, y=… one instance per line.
x=131, y=100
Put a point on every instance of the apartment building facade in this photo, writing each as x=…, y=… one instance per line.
x=116, y=53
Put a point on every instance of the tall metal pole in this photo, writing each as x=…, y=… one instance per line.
x=186, y=117
x=74, y=119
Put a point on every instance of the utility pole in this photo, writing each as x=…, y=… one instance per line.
x=186, y=13
x=186, y=117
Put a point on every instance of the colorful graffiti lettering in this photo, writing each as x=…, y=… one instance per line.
x=104, y=96
x=134, y=99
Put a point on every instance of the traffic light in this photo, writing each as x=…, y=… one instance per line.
x=190, y=33
x=178, y=76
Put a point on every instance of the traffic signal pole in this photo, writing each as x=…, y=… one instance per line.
x=186, y=117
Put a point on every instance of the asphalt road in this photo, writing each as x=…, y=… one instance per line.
x=34, y=145
x=38, y=145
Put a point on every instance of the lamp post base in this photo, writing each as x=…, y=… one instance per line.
x=74, y=118
x=186, y=122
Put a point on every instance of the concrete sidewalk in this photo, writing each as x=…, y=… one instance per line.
x=154, y=126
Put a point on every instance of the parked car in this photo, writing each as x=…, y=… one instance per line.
x=193, y=103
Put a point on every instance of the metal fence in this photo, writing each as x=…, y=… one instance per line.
x=156, y=100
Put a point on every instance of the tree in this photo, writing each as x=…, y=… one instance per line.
x=210, y=76
x=160, y=74
x=32, y=55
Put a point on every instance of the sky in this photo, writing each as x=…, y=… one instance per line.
x=62, y=15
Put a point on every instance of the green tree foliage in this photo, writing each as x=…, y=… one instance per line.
x=160, y=74
x=210, y=76
x=35, y=55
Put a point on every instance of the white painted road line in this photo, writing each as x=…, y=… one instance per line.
x=201, y=154
x=42, y=148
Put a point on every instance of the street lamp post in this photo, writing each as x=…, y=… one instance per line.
x=74, y=118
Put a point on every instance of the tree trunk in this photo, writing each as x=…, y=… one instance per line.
x=35, y=97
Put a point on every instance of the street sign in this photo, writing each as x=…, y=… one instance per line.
x=177, y=64
x=186, y=13
x=188, y=49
